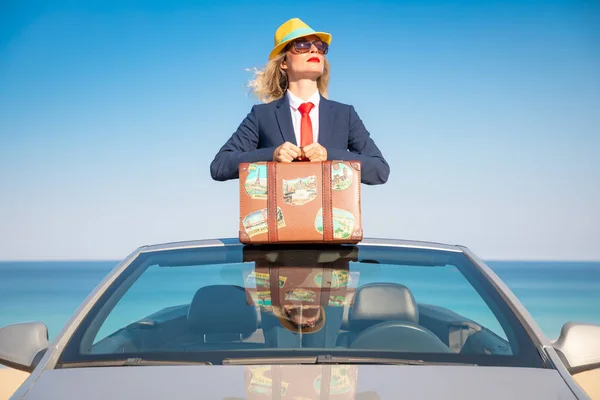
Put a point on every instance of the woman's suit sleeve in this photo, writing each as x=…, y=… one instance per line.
x=241, y=147
x=375, y=169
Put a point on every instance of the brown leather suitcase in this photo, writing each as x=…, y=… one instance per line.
x=300, y=202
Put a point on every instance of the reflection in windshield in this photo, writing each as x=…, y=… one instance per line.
x=297, y=382
x=300, y=299
x=260, y=302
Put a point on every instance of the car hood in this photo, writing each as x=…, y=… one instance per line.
x=364, y=382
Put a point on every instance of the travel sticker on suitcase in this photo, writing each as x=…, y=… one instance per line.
x=301, y=294
x=342, y=380
x=336, y=301
x=341, y=176
x=261, y=299
x=299, y=191
x=260, y=383
x=256, y=181
x=339, y=278
x=256, y=279
x=256, y=222
x=343, y=223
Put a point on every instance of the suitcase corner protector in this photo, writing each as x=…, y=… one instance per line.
x=244, y=238
x=243, y=166
x=356, y=165
x=357, y=234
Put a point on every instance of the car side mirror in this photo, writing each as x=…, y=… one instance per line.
x=579, y=345
x=23, y=345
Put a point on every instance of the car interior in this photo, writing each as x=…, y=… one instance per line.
x=378, y=316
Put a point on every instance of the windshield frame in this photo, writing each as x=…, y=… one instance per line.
x=528, y=354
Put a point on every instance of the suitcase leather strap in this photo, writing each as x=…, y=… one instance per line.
x=272, y=202
x=326, y=284
x=274, y=285
x=327, y=203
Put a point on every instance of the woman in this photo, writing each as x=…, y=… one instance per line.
x=297, y=121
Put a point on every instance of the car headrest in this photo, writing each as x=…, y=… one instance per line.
x=222, y=309
x=346, y=314
x=382, y=302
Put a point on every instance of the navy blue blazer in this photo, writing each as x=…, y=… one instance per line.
x=268, y=126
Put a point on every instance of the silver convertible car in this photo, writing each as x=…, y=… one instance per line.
x=383, y=319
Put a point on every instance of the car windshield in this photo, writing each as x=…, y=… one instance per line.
x=275, y=304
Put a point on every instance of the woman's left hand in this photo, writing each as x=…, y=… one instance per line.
x=315, y=152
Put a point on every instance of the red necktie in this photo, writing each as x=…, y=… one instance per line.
x=306, y=132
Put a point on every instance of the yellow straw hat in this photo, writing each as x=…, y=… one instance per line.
x=293, y=29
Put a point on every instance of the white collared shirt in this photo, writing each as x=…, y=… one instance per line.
x=295, y=102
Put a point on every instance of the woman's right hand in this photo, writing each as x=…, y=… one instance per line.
x=287, y=152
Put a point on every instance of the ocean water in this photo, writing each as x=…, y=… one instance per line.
x=553, y=292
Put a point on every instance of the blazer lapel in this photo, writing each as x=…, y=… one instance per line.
x=284, y=120
x=325, y=121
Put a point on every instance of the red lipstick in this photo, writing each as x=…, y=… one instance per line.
x=314, y=59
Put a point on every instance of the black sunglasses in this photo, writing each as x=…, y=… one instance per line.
x=303, y=46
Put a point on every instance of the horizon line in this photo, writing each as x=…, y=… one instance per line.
x=117, y=260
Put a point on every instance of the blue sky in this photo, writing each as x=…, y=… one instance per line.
x=487, y=112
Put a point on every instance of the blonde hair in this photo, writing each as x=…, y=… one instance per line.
x=271, y=82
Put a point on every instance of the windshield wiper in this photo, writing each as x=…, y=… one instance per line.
x=329, y=359
x=128, y=362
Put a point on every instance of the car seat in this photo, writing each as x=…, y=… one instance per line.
x=221, y=318
x=385, y=317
